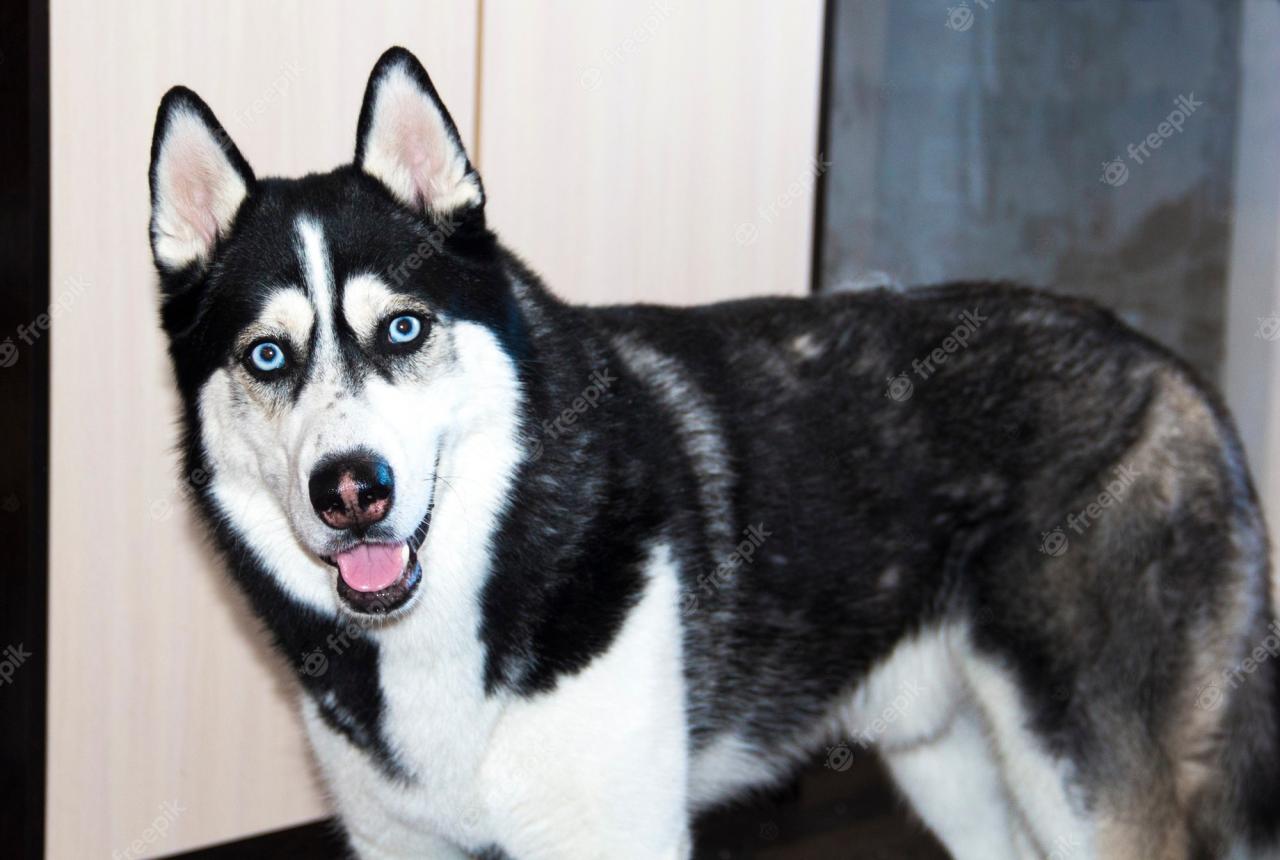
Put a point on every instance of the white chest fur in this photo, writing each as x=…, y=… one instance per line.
x=594, y=769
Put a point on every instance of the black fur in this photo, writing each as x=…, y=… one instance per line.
x=949, y=490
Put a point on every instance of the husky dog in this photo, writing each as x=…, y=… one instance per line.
x=556, y=579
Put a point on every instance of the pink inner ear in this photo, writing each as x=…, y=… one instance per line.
x=193, y=173
x=418, y=160
x=197, y=209
x=408, y=148
x=419, y=143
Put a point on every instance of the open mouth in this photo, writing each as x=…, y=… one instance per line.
x=377, y=578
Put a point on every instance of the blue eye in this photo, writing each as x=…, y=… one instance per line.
x=404, y=329
x=267, y=357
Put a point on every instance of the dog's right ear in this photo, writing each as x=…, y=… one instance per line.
x=198, y=181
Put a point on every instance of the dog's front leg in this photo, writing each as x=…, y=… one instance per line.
x=598, y=766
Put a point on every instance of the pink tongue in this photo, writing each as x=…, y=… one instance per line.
x=371, y=566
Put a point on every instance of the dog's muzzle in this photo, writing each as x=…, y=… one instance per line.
x=352, y=493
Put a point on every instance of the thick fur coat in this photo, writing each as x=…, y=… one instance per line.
x=556, y=579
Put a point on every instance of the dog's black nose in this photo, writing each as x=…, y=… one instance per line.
x=352, y=491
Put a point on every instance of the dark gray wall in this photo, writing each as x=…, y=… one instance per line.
x=969, y=142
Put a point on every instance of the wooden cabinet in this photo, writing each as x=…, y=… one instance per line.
x=660, y=152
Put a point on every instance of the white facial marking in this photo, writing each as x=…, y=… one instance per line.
x=314, y=256
x=249, y=468
x=366, y=302
x=263, y=457
x=287, y=314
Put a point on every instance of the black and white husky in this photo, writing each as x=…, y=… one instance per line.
x=556, y=579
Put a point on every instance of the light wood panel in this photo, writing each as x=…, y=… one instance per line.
x=662, y=152
x=657, y=151
x=160, y=688
x=1252, y=375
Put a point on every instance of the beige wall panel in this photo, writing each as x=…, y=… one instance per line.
x=1251, y=378
x=161, y=691
x=656, y=151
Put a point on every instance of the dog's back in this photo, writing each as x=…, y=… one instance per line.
x=974, y=500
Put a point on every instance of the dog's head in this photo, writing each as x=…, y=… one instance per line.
x=343, y=341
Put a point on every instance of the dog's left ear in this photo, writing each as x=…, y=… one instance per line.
x=408, y=142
